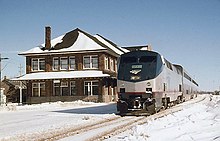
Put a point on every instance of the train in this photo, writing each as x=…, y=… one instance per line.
x=147, y=83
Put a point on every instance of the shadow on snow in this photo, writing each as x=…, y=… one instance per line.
x=105, y=109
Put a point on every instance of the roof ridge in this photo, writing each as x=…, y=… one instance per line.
x=96, y=40
x=110, y=42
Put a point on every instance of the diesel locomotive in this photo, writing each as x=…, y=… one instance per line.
x=147, y=82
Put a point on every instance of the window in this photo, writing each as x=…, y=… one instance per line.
x=64, y=88
x=90, y=62
x=147, y=59
x=64, y=63
x=34, y=64
x=111, y=65
x=91, y=87
x=187, y=76
x=35, y=89
x=38, y=64
x=169, y=65
x=72, y=88
x=116, y=67
x=72, y=63
x=55, y=63
x=106, y=63
x=128, y=60
x=38, y=89
x=41, y=64
x=56, y=86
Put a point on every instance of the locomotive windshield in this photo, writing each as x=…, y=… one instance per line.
x=139, y=66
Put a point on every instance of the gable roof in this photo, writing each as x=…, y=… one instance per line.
x=76, y=41
x=13, y=83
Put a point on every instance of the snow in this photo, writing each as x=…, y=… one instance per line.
x=55, y=41
x=196, y=122
x=39, y=50
x=60, y=75
x=115, y=49
x=33, y=50
x=19, y=122
x=83, y=43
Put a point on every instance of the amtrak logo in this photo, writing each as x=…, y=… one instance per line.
x=135, y=71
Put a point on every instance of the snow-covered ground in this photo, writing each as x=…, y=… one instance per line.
x=23, y=122
x=196, y=122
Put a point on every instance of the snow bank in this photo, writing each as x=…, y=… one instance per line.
x=43, y=106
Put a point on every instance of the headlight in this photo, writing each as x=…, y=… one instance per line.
x=148, y=84
x=149, y=99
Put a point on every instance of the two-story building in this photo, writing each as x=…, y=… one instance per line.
x=74, y=66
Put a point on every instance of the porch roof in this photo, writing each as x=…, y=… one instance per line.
x=63, y=75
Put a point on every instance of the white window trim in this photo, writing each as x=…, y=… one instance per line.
x=38, y=64
x=63, y=84
x=71, y=57
x=90, y=61
x=61, y=63
x=106, y=63
x=56, y=82
x=90, y=82
x=38, y=86
x=71, y=94
x=111, y=64
x=58, y=63
x=116, y=65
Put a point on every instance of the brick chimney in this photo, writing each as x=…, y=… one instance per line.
x=47, y=37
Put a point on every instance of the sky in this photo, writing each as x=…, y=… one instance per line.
x=184, y=32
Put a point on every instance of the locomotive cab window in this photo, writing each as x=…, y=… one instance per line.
x=147, y=59
x=129, y=60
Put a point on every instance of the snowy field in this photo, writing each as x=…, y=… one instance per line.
x=196, y=122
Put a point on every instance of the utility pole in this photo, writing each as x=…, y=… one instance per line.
x=1, y=91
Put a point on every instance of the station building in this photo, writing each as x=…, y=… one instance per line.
x=74, y=66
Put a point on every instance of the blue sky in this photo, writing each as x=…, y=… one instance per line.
x=185, y=32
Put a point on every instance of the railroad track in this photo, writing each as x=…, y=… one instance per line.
x=111, y=128
x=103, y=129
